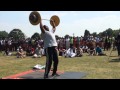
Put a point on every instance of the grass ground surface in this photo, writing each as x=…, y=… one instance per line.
x=96, y=67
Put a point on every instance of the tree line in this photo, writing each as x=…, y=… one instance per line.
x=108, y=32
x=18, y=34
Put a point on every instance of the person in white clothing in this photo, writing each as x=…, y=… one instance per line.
x=71, y=52
x=50, y=45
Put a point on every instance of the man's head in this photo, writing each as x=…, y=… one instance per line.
x=46, y=28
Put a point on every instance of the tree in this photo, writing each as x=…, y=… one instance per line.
x=86, y=33
x=36, y=36
x=101, y=34
x=16, y=34
x=3, y=34
x=67, y=36
x=109, y=32
x=115, y=32
x=94, y=34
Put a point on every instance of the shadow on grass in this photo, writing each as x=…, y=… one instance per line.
x=115, y=60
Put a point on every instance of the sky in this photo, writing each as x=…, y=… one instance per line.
x=71, y=22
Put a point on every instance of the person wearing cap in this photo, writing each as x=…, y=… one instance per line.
x=50, y=45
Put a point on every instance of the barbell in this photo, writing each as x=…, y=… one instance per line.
x=35, y=18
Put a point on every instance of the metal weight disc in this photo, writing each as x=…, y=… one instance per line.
x=34, y=18
x=56, y=19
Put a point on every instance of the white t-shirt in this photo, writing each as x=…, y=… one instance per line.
x=49, y=39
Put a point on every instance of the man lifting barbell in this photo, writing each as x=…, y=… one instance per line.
x=50, y=43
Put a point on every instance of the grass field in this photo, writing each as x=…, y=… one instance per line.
x=96, y=67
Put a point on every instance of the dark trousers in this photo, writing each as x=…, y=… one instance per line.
x=118, y=48
x=51, y=54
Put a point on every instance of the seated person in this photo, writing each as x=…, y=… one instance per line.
x=7, y=52
x=71, y=52
x=61, y=51
x=79, y=52
x=38, y=52
x=99, y=51
x=30, y=51
x=21, y=53
x=85, y=49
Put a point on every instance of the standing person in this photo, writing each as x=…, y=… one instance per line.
x=50, y=45
x=67, y=40
x=71, y=41
x=118, y=44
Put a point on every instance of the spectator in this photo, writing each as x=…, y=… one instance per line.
x=71, y=52
x=7, y=52
x=99, y=51
x=21, y=53
x=38, y=52
x=79, y=52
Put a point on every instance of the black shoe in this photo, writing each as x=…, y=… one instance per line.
x=55, y=74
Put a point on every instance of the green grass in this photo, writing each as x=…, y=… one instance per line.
x=96, y=67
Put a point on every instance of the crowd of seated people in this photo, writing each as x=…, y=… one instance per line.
x=67, y=47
